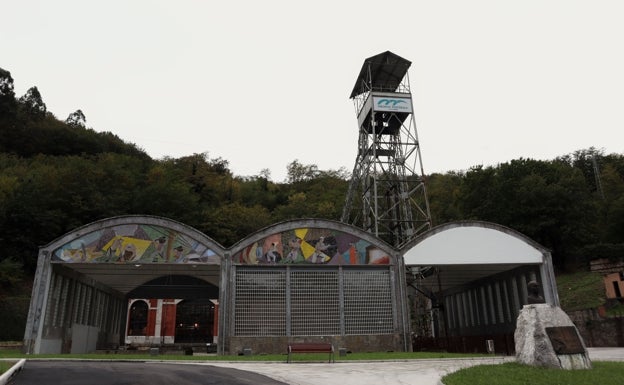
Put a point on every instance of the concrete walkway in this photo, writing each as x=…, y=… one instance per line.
x=421, y=372
x=409, y=372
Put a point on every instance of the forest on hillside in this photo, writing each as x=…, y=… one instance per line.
x=56, y=175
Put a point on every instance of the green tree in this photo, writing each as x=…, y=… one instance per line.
x=76, y=119
x=11, y=273
x=6, y=84
x=7, y=95
x=259, y=190
x=298, y=206
x=297, y=172
x=8, y=111
x=585, y=160
x=232, y=222
x=612, y=206
x=548, y=201
x=444, y=193
x=479, y=194
x=209, y=179
x=33, y=104
x=313, y=193
x=165, y=192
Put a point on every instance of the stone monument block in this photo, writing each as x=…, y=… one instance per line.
x=545, y=336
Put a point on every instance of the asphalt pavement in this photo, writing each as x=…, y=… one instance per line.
x=84, y=372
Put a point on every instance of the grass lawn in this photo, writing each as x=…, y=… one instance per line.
x=5, y=365
x=603, y=373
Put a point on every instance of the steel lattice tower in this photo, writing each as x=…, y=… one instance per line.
x=387, y=194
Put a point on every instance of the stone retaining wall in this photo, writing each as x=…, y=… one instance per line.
x=599, y=331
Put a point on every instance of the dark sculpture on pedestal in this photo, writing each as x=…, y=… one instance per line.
x=534, y=295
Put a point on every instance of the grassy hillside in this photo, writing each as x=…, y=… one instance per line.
x=580, y=290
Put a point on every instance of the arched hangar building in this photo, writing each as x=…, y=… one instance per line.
x=144, y=281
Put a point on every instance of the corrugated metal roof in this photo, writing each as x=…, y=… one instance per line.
x=386, y=69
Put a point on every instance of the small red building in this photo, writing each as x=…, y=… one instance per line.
x=159, y=322
x=612, y=275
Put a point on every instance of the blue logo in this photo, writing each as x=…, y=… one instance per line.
x=390, y=102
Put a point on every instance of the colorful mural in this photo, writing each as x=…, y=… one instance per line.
x=312, y=246
x=135, y=243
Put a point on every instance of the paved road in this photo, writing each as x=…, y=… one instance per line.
x=133, y=373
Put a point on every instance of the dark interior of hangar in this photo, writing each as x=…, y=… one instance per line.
x=175, y=286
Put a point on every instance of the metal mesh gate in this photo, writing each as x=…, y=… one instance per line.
x=289, y=301
x=368, y=302
x=260, y=302
x=315, y=303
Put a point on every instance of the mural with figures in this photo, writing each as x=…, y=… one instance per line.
x=312, y=246
x=135, y=243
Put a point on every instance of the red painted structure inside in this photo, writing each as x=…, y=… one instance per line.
x=165, y=322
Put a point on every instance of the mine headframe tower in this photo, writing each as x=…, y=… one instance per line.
x=387, y=194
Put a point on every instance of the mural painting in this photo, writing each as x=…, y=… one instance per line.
x=312, y=246
x=135, y=243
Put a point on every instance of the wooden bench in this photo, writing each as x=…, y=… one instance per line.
x=311, y=347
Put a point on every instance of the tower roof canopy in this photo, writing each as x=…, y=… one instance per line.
x=386, y=72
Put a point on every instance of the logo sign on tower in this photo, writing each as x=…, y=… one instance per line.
x=392, y=104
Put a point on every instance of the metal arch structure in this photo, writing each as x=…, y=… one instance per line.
x=85, y=278
x=387, y=194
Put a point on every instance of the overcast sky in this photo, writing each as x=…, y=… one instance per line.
x=262, y=83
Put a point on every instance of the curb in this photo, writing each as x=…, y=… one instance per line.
x=6, y=376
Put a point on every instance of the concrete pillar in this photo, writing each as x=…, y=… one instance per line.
x=225, y=287
x=36, y=311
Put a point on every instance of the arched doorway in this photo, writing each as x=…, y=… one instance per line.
x=137, y=321
x=195, y=321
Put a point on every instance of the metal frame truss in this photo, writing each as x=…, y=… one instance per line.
x=387, y=194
